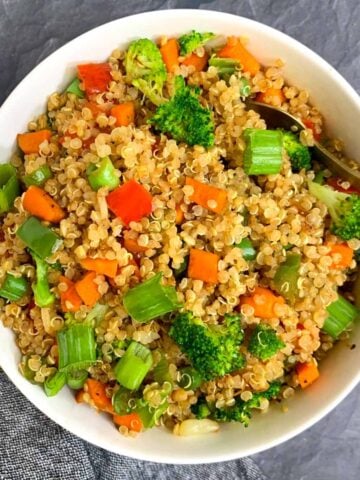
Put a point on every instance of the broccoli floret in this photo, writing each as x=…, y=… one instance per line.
x=264, y=342
x=344, y=209
x=184, y=118
x=240, y=411
x=299, y=154
x=213, y=351
x=145, y=69
x=193, y=40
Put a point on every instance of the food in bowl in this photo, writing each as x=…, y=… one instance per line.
x=170, y=259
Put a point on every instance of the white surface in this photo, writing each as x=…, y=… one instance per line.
x=340, y=105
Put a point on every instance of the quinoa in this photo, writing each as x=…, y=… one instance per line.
x=280, y=212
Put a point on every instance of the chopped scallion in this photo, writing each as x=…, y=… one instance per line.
x=341, y=314
x=77, y=348
x=42, y=295
x=123, y=401
x=150, y=300
x=247, y=248
x=96, y=315
x=40, y=239
x=150, y=416
x=9, y=187
x=13, y=288
x=74, y=88
x=54, y=384
x=38, y=177
x=133, y=367
x=225, y=66
x=287, y=276
x=77, y=379
x=263, y=152
x=103, y=175
x=245, y=87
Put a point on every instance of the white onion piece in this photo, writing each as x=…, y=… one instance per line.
x=215, y=43
x=195, y=427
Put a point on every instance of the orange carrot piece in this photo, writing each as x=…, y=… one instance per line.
x=342, y=254
x=271, y=96
x=124, y=113
x=87, y=289
x=170, y=54
x=101, y=266
x=30, y=142
x=196, y=61
x=179, y=218
x=132, y=421
x=263, y=302
x=70, y=300
x=212, y=198
x=132, y=246
x=79, y=396
x=236, y=50
x=203, y=266
x=307, y=373
x=97, y=392
x=37, y=202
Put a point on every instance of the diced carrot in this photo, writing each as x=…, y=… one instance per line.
x=30, y=142
x=212, y=198
x=101, y=266
x=307, y=373
x=341, y=253
x=179, y=218
x=337, y=184
x=310, y=124
x=132, y=246
x=170, y=54
x=236, y=50
x=124, y=113
x=130, y=202
x=87, y=289
x=95, y=77
x=37, y=202
x=203, y=266
x=193, y=60
x=263, y=301
x=70, y=300
x=79, y=396
x=132, y=421
x=97, y=392
x=271, y=96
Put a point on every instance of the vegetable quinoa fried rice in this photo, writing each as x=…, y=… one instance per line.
x=164, y=254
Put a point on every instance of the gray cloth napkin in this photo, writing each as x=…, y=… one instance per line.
x=32, y=447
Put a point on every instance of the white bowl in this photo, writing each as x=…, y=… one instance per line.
x=340, y=105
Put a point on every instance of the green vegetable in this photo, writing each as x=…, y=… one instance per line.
x=9, y=187
x=26, y=371
x=180, y=272
x=14, y=288
x=40, y=239
x=150, y=415
x=320, y=177
x=77, y=379
x=123, y=401
x=287, y=276
x=245, y=87
x=77, y=348
x=248, y=250
x=54, y=384
x=103, y=175
x=299, y=154
x=212, y=350
x=161, y=371
x=241, y=411
x=341, y=315
x=74, y=88
x=225, y=66
x=193, y=40
x=263, y=151
x=42, y=295
x=133, y=367
x=150, y=299
x=264, y=342
x=343, y=208
x=38, y=177
x=201, y=409
x=145, y=69
x=96, y=315
x=184, y=118
x=190, y=379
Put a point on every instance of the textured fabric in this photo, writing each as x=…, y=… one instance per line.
x=32, y=447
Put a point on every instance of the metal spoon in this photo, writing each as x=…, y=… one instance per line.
x=277, y=118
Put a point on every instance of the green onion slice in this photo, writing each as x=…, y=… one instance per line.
x=77, y=348
x=103, y=175
x=14, y=288
x=38, y=177
x=263, y=151
x=96, y=315
x=248, y=250
x=150, y=416
x=42, y=295
x=76, y=379
x=287, y=276
x=54, y=384
x=74, y=88
x=9, y=187
x=225, y=66
x=245, y=87
x=40, y=239
x=341, y=315
x=150, y=300
x=133, y=367
x=123, y=401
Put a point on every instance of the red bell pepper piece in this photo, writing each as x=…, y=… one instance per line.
x=130, y=202
x=95, y=77
x=310, y=124
x=335, y=183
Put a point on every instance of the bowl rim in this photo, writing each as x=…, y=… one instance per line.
x=131, y=452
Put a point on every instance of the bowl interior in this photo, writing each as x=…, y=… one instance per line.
x=339, y=372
